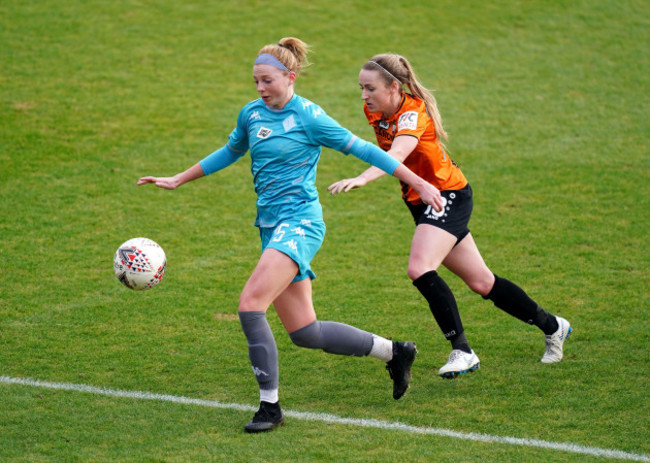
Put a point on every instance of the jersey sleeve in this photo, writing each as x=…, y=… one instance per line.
x=238, y=139
x=235, y=148
x=373, y=155
x=218, y=160
x=412, y=122
x=326, y=131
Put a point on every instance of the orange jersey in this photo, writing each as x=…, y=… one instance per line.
x=428, y=159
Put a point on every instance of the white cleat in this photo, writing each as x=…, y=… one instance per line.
x=459, y=362
x=555, y=342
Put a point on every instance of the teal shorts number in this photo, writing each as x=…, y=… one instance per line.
x=298, y=239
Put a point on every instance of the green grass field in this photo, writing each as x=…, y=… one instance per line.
x=546, y=104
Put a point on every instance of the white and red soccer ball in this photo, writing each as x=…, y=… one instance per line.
x=139, y=263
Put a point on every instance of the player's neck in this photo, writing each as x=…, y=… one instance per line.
x=285, y=101
x=395, y=103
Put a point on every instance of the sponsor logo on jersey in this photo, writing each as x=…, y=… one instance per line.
x=384, y=124
x=408, y=121
x=263, y=132
x=289, y=123
x=254, y=115
x=385, y=134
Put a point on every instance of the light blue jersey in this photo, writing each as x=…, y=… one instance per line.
x=285, y=147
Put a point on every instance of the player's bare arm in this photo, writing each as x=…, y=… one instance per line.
x=171, y=183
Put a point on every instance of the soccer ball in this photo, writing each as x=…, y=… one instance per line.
x=139, y=264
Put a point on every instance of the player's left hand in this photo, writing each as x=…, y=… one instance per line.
x=345, y=185
x=430, y=195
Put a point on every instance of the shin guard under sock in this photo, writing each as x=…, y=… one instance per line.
x=262, y=349
x=443, y=306
x=333, y=338
x=513, y=300
x=460, y=342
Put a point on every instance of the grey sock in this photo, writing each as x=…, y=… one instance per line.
x=262, y=349
x=334, y=338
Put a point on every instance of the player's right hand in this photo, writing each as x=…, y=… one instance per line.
x=168, y=183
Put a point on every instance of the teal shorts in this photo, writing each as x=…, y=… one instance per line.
x=298, y=239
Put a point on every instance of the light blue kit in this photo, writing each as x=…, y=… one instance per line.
x=285, y=147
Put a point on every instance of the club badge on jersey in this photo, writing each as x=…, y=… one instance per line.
x=263, y=132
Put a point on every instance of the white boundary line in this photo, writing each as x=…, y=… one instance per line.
x=334, y=419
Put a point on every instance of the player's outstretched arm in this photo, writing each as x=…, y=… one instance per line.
x=429, y=194
x=402, y=146
x=171, y=183
x=347, y=184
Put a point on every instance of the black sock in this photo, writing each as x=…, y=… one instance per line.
x=460, y=342
x=513, y=300
x=443, y=305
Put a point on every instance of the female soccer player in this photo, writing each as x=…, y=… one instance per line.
x=409, y=127
x=284, y=134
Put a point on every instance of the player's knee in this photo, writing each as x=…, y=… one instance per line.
x=482, y=285
x=307, y=336
x=415, y=270
x=249, y=301
x=245, y=303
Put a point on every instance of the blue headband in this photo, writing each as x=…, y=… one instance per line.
x=265, y=58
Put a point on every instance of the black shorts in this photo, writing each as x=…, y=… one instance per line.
x=455, y=215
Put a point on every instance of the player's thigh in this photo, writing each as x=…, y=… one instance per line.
x=295, y=307
x=465, y=260
x=429, y=247
x=271, y=276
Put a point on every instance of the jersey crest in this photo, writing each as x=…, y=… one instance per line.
x=263, y=132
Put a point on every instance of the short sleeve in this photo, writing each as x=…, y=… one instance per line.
x=412, y=123
x=326, y=131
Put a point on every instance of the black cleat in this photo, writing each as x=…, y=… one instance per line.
x=268, y=417
x=399, y=367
